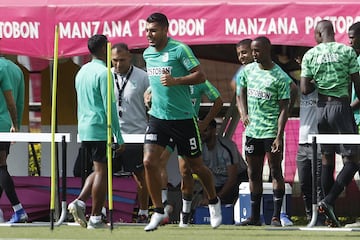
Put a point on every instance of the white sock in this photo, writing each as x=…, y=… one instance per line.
x=164, y=193
x=103, y=211
x=186, y=206
x=143, y=212
x=17, y=207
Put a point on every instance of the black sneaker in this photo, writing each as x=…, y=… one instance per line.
x=327, y=209
x=250, y=222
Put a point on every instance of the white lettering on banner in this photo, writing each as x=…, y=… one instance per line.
x=190, y=27
x=19, y=29
x=180, y=27
x=260, y=26
x=88, y=29
x=141, y=27
x=341, y=23
x=116, y=29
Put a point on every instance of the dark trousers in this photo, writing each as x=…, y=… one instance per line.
x=303, y=161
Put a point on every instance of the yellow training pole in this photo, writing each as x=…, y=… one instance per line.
x=110, y=93
x=53, y=124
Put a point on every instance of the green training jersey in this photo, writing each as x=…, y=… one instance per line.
x=92, y=91
x=265, y=88
x=198, y=90
x=330, y=65
x=173, y=102
x=11, y=78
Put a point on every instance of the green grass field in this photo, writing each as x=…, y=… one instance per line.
x=173, y=232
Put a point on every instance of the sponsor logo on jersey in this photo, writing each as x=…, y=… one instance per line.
x=259, y=94
x=158, y=71
x=165, y=57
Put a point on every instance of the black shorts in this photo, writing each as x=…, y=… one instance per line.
x=336, y=117
x=184, y=134
x=5, y=146
x=131, y=160
x=95, y=150
x=258, y=146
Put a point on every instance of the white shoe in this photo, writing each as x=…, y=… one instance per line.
x=78, y=213
x=215, y=214
x=156, y=220
x=1, y=216
x=353, y=225
x=95, y=225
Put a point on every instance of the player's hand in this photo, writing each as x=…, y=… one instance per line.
x=13, y=129
x=166, y=79
x=118, y=148
x=147, y=99
x=276, y=146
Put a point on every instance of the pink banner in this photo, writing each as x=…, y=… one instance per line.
x=28, y=29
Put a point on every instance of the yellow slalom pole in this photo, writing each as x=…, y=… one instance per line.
x=53, y=124
x=109, y=134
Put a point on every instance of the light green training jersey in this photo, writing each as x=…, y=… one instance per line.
x=330, y=65
x=173, y=102
x=265, y=88
x=11, y=78
x=198, y=90
x=91, y=88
